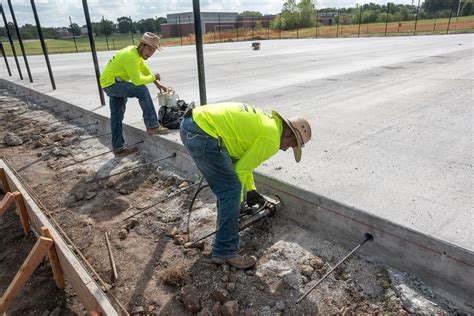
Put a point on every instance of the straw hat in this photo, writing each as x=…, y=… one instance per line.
x=152, y=40
x=302, y=131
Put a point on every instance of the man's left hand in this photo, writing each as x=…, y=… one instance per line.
x=160, y=87
x=157, y=76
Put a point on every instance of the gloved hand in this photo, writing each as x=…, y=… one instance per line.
x=254, y=198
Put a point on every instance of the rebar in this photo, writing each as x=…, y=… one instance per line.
x=133, y=168
x=111, y=257
x=161, y=201
x=92, y=137
x=98, y=155
x=367, y=238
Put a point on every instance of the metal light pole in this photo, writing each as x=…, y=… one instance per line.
x=386, y=20
x=93, y=51
x=416, y=18
x=360, y=20
x=5, y=58
x=450, y=15
x=179, y=28
x=11, y=42
x=20, y=41
x=43, y=44
x=199, y=51
x=105, y=32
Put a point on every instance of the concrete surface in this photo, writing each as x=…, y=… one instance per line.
x=392, y=122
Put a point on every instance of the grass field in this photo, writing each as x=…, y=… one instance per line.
x=117, y=41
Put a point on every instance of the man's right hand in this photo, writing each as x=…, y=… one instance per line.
x=157, y=76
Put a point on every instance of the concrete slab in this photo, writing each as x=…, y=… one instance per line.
x=392, y=121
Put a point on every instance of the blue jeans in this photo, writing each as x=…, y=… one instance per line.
x=118, y=94
x=217, y=168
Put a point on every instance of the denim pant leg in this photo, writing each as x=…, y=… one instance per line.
x=117, y=111
x=217, y=168
x=129, y=90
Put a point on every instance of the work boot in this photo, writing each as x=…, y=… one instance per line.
x=159, y=130
x=125, y=151
x=239, y=262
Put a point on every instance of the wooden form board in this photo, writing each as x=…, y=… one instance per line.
x=85, y=287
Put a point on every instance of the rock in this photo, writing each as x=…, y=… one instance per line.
x=280, y=305
x=316, y=263
x=230, y=308
x=221, y=295
x=45, y=313
x=216, y=309
x=307, y=270
x=123, y=234
x=260, y=286
x=183, y=184
x=198, y=245
x=291, y=278
x=90, y=195
x=109, y=184
x=60, y=152
x=204, y=312
x=173, y=231
x=132, y=224
x=11, y=139
x=39, y=154
x=250, y=272
x=230, y=286
x=190, y=298
x=79, y=195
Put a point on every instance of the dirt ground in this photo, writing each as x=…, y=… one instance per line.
x=157, y=275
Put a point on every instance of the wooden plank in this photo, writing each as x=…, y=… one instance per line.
x=7, y=200
x=85, y=287
x=22, y=212
x=53, y=260
x=3, y=177
x=27, y=268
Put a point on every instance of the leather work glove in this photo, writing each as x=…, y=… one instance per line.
x=254, y=198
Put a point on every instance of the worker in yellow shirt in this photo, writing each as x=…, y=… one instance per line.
x=126, y=76
x=227, y=141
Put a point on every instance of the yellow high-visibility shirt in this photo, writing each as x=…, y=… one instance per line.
x=248, y=133
x=127, y=65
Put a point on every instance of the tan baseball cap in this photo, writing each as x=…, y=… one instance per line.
x=152, y=40
x=302, y=131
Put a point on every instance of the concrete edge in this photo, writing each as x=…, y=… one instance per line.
x=445, y=267
x=86, y=288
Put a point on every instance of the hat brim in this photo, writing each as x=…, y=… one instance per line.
x=296, y=150
x=158, y=48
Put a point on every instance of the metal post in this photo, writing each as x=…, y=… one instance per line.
x=43, y=44
x=450, y=15
x=113, y=44
x=93, y=51
x=253, y=29
x=11, y=42
x=199, y=51
x=20, y=40
x=105, y=33
x=398, y=28
x=220, y=38
x=298, y=27
x=179, y=29
x=360, y=20
x=338, y=20
x=73, y=35
x=434, y=26
x=237, y=28
x=317, y=22
x=268, y=27
x=386, y=20
x=416, y=18
x=189, y=28
x=280, y=26
x=6, y=60
x=131, y=29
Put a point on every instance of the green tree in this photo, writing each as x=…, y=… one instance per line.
x=50, y=32
x=307, y=9
x=28, y=31
x=147, y=25
x=250, y=13
x=290, y=15
x=159, y=21
x=437, y=5
x=125, y=24
x=74, y=29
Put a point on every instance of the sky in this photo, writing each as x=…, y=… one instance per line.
x=57, y=12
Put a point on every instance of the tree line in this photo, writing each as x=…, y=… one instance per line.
x=293, y=15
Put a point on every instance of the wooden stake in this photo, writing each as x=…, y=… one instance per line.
x=5, y=185
x=28, y=267
x=7, y=200
x=22, y=212
x=54, y=260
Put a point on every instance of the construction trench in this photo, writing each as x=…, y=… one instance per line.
x=138, y=206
